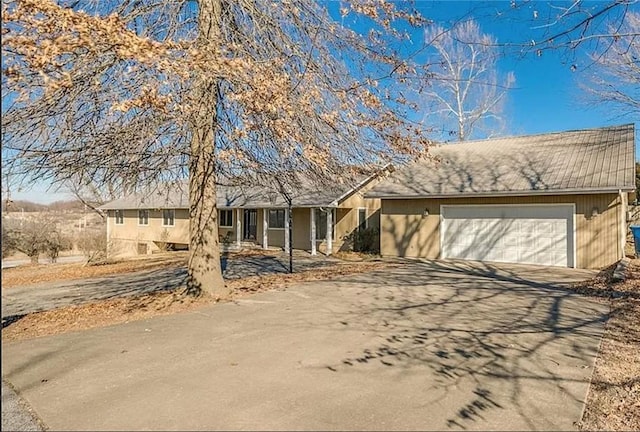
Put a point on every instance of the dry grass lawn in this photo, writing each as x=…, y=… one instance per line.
x=38, y=273
x=33, y=274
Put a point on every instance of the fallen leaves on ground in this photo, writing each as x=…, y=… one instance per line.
x=613, y=401
x=33, y=274
x=602, y=286
x=355, y=256
x=126, y=309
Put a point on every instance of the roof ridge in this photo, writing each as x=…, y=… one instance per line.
x=506, y=137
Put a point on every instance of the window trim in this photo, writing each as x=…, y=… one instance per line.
x=220, y=218
x=173, y=218
x=115, y=216
x=147, y=222
x=284, y=222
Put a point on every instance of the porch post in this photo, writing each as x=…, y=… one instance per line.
x=287, y=240
x=329, y=232
x=108, y=233
x=265, y=228
x=238, y=227
x=313, y=231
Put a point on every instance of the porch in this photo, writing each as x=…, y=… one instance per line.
x=312, y=229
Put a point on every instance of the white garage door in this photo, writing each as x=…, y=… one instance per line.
x=533, y=234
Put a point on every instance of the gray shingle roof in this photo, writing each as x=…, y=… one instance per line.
x=307, y=194
x=582, y=161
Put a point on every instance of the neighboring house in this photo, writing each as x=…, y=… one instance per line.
x=322, y=217
x=555, y=199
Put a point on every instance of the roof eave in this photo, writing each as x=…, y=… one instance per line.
x=506, y=193
x=363, y=183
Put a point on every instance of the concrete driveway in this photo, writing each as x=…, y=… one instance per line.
x=428, y=346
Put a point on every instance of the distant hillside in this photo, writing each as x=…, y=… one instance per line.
x=29, y=207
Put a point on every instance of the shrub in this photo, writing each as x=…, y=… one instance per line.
x=8, y=241
x=33, y=238
x=54, y=243
x=93, y=244
x=163, y=243
x=365, y=240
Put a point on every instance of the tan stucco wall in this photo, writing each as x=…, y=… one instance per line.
x=406, y=232
x=275, y=237
x=123, y=239
x=346, y=221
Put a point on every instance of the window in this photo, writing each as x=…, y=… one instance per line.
x=143, y=248
x=143, y=217
x=321, y=224
x=168, y=217
x=276, y=219
x=119, y=217
x=362, y=219
x=226, y=218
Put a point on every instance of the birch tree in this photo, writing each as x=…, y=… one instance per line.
x=615, y=79
x=152, y=92
x=464, y=85
x=569, y=26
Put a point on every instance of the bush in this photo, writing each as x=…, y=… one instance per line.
x=93, y=244
x=365, y=240
x=163, y=243
x=8, y=241
x=227, y=239
x=55, y=243
x=33, y=238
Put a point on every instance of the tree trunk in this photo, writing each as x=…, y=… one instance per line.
x=461, y=131
x=205, y=274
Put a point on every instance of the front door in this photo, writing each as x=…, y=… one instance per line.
x=250, y=224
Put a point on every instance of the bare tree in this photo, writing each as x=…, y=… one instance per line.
x=28, y=237
x=54, y=243
x=574, y=24
x=463, y=80
x=616, y=77
x=94, y=195
x=150, y=92
x=8, y=240
x=93, y=244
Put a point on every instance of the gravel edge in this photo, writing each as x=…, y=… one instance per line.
x=17, y=414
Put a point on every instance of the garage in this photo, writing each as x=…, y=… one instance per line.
x=554, y=199
x=527, y=234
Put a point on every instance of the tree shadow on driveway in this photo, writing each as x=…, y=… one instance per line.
x=51, y=295
x=488, y=336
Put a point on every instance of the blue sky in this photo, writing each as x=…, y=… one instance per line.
x=547, y=96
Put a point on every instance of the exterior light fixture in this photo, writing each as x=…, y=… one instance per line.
x=426, y=212
x=595, y=212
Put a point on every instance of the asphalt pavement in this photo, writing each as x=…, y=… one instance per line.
x=424, y=346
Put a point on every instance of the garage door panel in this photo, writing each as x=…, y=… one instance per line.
x=526, y=234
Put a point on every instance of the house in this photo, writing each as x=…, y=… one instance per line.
x=249, y=215
x=557, y=199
